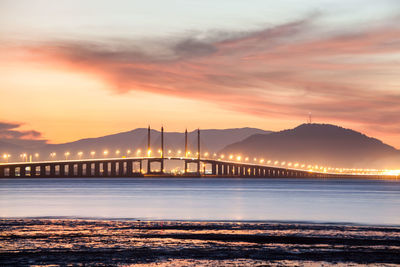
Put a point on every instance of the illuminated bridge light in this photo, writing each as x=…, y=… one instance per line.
x=246, y=159
x=128, y=151
x=238, y=158
x=269, y=161
x=261, y=160
x=230, y=156
x=92, y=153
x=222, y=156
x=149, y=152
x=276, y=162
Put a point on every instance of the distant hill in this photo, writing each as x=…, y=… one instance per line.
x=6, y=147
x=321, y=144
x=212, y=140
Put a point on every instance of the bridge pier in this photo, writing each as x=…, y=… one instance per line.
x=80, y=169
x=120, y=168
x=113, y=168
x=62, y=170
x=42, y=171
x=12, y=171
x=105, y=169
x=22, y=171
x=129, y=168
x=213, y=168
x=97, y=169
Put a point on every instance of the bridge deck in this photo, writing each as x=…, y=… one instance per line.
x=134, y=167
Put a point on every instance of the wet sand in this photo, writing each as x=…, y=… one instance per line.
x=27, y=242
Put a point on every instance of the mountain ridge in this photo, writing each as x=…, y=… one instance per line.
x=319, y=144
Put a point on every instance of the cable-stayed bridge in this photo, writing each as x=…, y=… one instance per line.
x=148, y=165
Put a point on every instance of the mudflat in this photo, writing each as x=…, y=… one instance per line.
x=27, y=242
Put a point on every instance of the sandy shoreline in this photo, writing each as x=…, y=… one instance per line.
x=25, y=242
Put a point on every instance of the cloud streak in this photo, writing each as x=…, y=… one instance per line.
x=286, y=70
x=10, y=131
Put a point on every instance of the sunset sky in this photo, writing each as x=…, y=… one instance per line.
x=78, y=69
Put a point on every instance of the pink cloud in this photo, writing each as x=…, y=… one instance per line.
x=280, y=71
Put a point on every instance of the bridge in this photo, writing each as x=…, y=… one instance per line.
x=144, y=167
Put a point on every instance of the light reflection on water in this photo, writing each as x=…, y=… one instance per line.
x=334, y=200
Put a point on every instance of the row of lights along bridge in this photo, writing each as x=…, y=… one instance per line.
x=106, y=153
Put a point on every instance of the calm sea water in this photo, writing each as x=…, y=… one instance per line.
x=319, y=200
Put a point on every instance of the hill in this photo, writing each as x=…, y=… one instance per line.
x=321, y=144
x=212, y=140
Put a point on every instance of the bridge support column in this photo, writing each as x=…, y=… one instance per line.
x=120, y=168
x=2, y=172
x=129, y=168
x=113, y=168
x=236, y=169
x=80, y=169
x=105, y=169
x=88, y=169
x=62, y=170
x=219, y=169
x=22, y=171
x=52, y=170
x=213, y=169
x=97, y=169
x=32, y=170
x=71, y=170
x=12, y=171
x=42, y=170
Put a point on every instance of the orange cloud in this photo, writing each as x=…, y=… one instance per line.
x=282, y=71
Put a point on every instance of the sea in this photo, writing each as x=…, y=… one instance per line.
x=350, y=201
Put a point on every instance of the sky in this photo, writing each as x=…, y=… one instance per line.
x=79, y=69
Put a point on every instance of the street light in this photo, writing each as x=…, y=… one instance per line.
x=80, y=153
x=66, y=154
x=92, y=153
x=6, y=156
